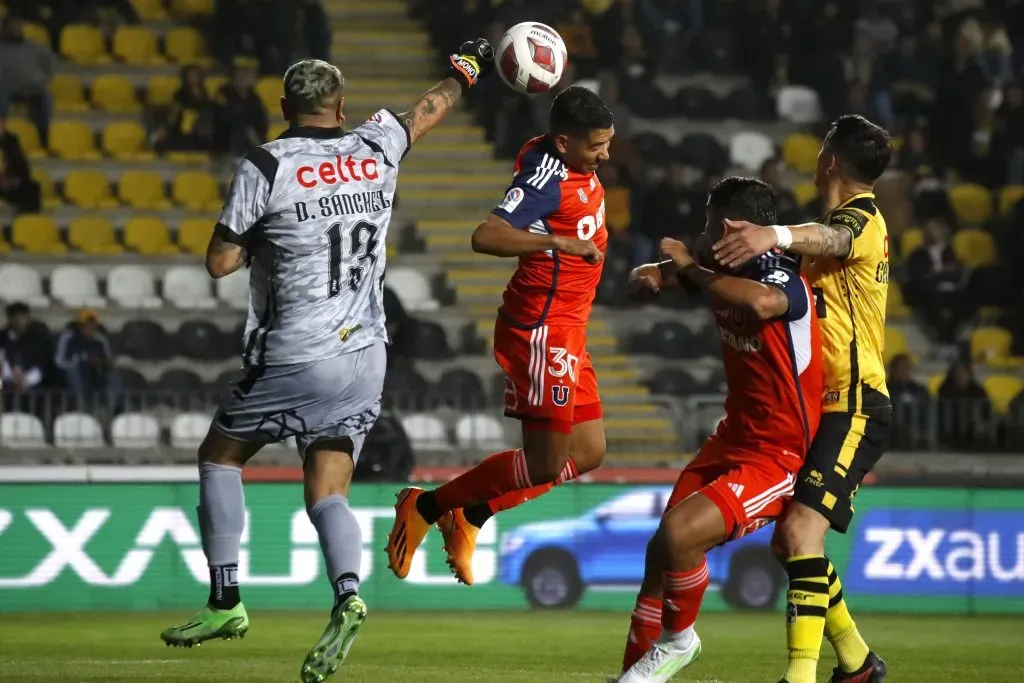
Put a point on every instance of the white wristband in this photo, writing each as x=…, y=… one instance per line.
x=783, y=236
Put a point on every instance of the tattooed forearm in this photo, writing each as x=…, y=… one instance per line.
x=224, y=257
x=816, y=239
x=431, y=108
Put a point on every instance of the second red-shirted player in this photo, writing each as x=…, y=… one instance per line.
x=552, y=219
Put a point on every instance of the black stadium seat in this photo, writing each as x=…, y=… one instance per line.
x=670, y=340
x=652, y=147
x=202, y=340
x=181, y=388
x=431, y=341
x=703, y=151
x=405, y=388
x=697, y=103
x=144, y=340
x=673, y=382
x=129, y=379
x=462, y=389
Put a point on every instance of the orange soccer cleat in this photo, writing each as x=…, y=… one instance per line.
x=408, y=532
x=459, y=544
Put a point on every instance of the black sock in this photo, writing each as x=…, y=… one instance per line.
x=426, y=505
x=345, y=587
x=477, y=515
x=224, y=586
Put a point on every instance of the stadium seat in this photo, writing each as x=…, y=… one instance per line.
x=703, y=151
x=197, y=191
x=89, y=190
x=21, y=430
x=462, y=389
x=114, y=94
x=234, y=290
x=750, y=150
x=269, y=90
x=83, y=44
x=93, y=236
x=194, y=235
x=192, y=7
x=972, y=203
x=188, y=287
x=616, y=203
x=143, y=190
x=77, y=430
x=910, y=240
x=76, y=287
x=411, y=288
x=201, y=340
x=1008, y=198
x=426, y=432
x=975, y=248
x=132, y=287
x=798, y=104
x=227, y=378
x=126, y=141
x=480, y=430
x=1002, y=389
x=800, y=152
x=135, y=430
x=160, y=90
x=431, y=341
x=73, y=140
x=895, y=307
x=137, y=46
x=185, y=45
x=989, y=343
x=151, y=10
x=673, y=382
x=28, y=136
x=149, y=236
x=189, y=429
x=144, y=340
x=68, y=94
x=935, y=383
x=51, y=199
x=130, y=379
x=214, y=83
x=895, y=343
x=37, y=235
x=180, y=381
x=36, y=33
x=670, y=339
x=804, y=193
x=19, y=282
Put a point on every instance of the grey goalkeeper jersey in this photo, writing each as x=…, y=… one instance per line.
x=313, y=208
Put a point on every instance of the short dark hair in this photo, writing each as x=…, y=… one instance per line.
x=744, y=199
x=17, y=308
x=862, y=148
x=576, y=111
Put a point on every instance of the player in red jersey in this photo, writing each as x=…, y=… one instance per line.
x=552, y=219
x=743, y=476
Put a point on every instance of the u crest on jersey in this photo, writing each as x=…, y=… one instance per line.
x=560, y=395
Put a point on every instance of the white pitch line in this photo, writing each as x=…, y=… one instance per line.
x=127, y=662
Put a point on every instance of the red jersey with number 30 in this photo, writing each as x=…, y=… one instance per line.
x=547, y=197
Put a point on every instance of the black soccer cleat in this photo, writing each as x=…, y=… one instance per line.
x=872, y=671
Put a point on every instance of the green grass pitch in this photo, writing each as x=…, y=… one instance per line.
x=468, y=647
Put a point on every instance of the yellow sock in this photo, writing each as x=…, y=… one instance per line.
x=806, y=606
x=840, y=629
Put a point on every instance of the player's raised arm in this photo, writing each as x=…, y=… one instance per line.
x=747, y=240
x=472, y=61
x=497, y=237
x=246, y=202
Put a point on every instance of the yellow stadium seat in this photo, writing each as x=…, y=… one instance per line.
x=196, y=190
x=28, y=136
x=93, y=236
x=89, y=190
x=805, y=192
x=160, y=90
x=36, y=32
x=143, y=190
x=190, y=7
x=191, y=158
x=83, y=44
x=213, y=84
x=126, y=140
x=51, y=199
x=114, y=94
x=895, y=307
x=1008, y=198
x=194, y=235
x=799, y=151
x=910, y=240
x=935, y=383
x=73, y=140
x=990, y=343
x=185, y=45
x=895, y=343
x=150, y=10
x=974, y=248
x=269, y=90
x=1002, y=389
x=972, y=203
x=37, y=235
x=275, y=129
x=4, y=247
x=136, y=45
x=68, y=94
x=149, y=237
x=617, y=215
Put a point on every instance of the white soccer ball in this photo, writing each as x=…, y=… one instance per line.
x=531, y=57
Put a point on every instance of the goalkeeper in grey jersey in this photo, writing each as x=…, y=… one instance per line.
x=309, y=214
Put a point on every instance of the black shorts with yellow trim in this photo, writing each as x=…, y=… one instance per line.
x=844, y=450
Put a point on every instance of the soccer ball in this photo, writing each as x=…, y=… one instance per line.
x=531, y=57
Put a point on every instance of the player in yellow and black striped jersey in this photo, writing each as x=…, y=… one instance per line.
x=846, y=260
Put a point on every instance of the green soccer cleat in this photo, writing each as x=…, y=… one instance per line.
x=330, y=651
x=208, y=624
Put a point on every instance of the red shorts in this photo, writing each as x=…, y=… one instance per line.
x=549, y=381
x=751, y=489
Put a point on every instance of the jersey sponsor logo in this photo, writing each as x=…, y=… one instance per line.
x=852, y=219
x=513, y=198
x=582, y=195
x=378, y=117
x=740, y=342
x=560, y=395
x=345, y=170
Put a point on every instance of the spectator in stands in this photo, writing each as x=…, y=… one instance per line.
x=16, y=185
x=868, y=93
x=965, y=411
x=316, y=30
x=1008, y=142
x=879, y=29
x=911, y=404
x=241, y=118
x=25, y=356
x=579, y=42
x=935, y=283
x=190, y=121
x=915, y=157
x=26, y=68
x=85, y=356
x=912, y=77
x=960, y=87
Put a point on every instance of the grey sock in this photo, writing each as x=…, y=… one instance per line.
x=221, y=512
x=341, y=542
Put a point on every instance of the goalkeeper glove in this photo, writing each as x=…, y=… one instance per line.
x=472, y=61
